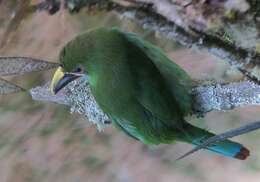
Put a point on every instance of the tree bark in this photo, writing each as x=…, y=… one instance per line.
x=228, y=29
x=206, y=98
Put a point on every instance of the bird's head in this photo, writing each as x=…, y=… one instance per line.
x=71, y=68
x=82, y=53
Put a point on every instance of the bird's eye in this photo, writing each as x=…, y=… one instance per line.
x=77, y=70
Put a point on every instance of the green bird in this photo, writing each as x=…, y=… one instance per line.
x=141, y=90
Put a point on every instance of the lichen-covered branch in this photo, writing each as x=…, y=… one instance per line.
x=225, y=96
x=235, y=40
x=21, y=65
x=228, y=29
x=78, y=97
x=206, y=98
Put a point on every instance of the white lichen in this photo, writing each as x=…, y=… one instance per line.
x=82, y=101
x=205, y=98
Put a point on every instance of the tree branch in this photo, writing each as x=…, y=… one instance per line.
x=226, y=41
x=21, y=65
x=206, y=98
x=78, y=97
x=227, y=29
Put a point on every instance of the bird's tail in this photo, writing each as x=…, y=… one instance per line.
x=228, y=148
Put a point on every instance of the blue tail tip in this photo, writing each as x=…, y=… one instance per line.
x=242, y=154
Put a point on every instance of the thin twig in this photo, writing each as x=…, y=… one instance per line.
x=8, y=88
x=223, y=136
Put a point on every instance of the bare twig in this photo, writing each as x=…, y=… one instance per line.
x=7, y=87
x=223, y=136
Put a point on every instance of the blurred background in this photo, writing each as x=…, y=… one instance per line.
x=43, y=142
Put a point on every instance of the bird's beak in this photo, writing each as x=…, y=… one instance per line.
x=61, y=79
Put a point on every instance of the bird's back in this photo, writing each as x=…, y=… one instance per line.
x=133, y=88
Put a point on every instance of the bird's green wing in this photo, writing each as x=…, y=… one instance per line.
x=154, y=112
x=143, y=92
x=175, y=77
